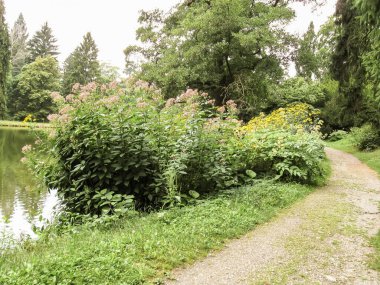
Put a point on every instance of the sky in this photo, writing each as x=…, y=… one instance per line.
x=113, y=23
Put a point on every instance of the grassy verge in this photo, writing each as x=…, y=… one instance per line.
x=372, y=158
x=15, y=124
x=143, y=249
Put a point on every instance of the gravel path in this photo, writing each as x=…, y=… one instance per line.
x=322, y=239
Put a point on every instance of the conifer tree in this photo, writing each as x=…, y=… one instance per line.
x=306, y=59
x=82, y=66
x=5, y=54
x=42, y=44
x=19, y=50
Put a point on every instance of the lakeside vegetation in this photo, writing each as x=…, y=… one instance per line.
x=17, y=124
x=143, y=248
x=206, y=139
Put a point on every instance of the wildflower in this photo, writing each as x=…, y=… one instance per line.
x=52, y=117
x=66, y=110
x=76, y=87
x=56, y=97
x=83, y=96
x=23, y=159
x=211, y=102
x=69, y=98
x=170, y=102
x=142, y=104
x=112, y=85
x=26, y=148
x=221, y=109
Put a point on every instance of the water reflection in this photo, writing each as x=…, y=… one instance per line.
x=22, y=203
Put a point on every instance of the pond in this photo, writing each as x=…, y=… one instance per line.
x=23, y=205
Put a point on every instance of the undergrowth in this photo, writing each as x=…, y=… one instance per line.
x=142, y=248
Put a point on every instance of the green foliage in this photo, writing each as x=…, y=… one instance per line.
x=298, y=90
x=128, y=141
x=19, y=50
x=42, y=44
x=142, y=249
x=285, y=144
x=306, y=58
x=355, y=61
x=5, y=55
x=366, y=137
x=337, y=135
x=32, y=89
x=82, y=66
x=230, y=49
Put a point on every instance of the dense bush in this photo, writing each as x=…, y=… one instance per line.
x=366, y=137
x=112, y=144
x=286, y=143
x=337, y=135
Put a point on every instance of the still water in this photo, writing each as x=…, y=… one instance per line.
x=23, y=205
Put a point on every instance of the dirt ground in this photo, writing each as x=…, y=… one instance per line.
x=323, y=239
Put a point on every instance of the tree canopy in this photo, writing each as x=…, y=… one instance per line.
x=19, y=49
x=228, y=48
x=82, y=66
x=5, y=54
x=43, y=44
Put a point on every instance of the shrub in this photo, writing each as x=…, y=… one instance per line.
x=129, y=141
x=366, y=137
x=337, y=135
x=112, y=143
x=286, y=144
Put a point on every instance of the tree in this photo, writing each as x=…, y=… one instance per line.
x=19, y=49
x=348, y=67
x=369, y=16
x=5, y=54
x=42, y=44
x=232, y=49
x=326, y=43
x=82, y=65
x=32, y=89
x=306, y=59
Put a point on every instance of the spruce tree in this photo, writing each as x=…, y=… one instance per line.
x=42, y=44
x=19, y=50
x=5, y=54
x=82, y=66
x=306, y=59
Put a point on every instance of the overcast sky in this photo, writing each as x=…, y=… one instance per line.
x=112, y=22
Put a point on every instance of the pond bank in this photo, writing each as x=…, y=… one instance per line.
x=16, y=124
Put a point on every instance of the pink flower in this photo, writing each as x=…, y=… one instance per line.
x=211, y=102
x=76, y=87
x=142, y=104
x=26, y=148
x=56, y=97
x=170, y=102
x=52, y=117
x=112, y=85
x=23, y=159
x=69, y=98
x=83, y=96
x=221, y=109
x=66, y=110
x=231, y=106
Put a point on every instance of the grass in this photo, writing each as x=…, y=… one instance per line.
x=16, y=124
x=142, y=249
x=372, y=159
